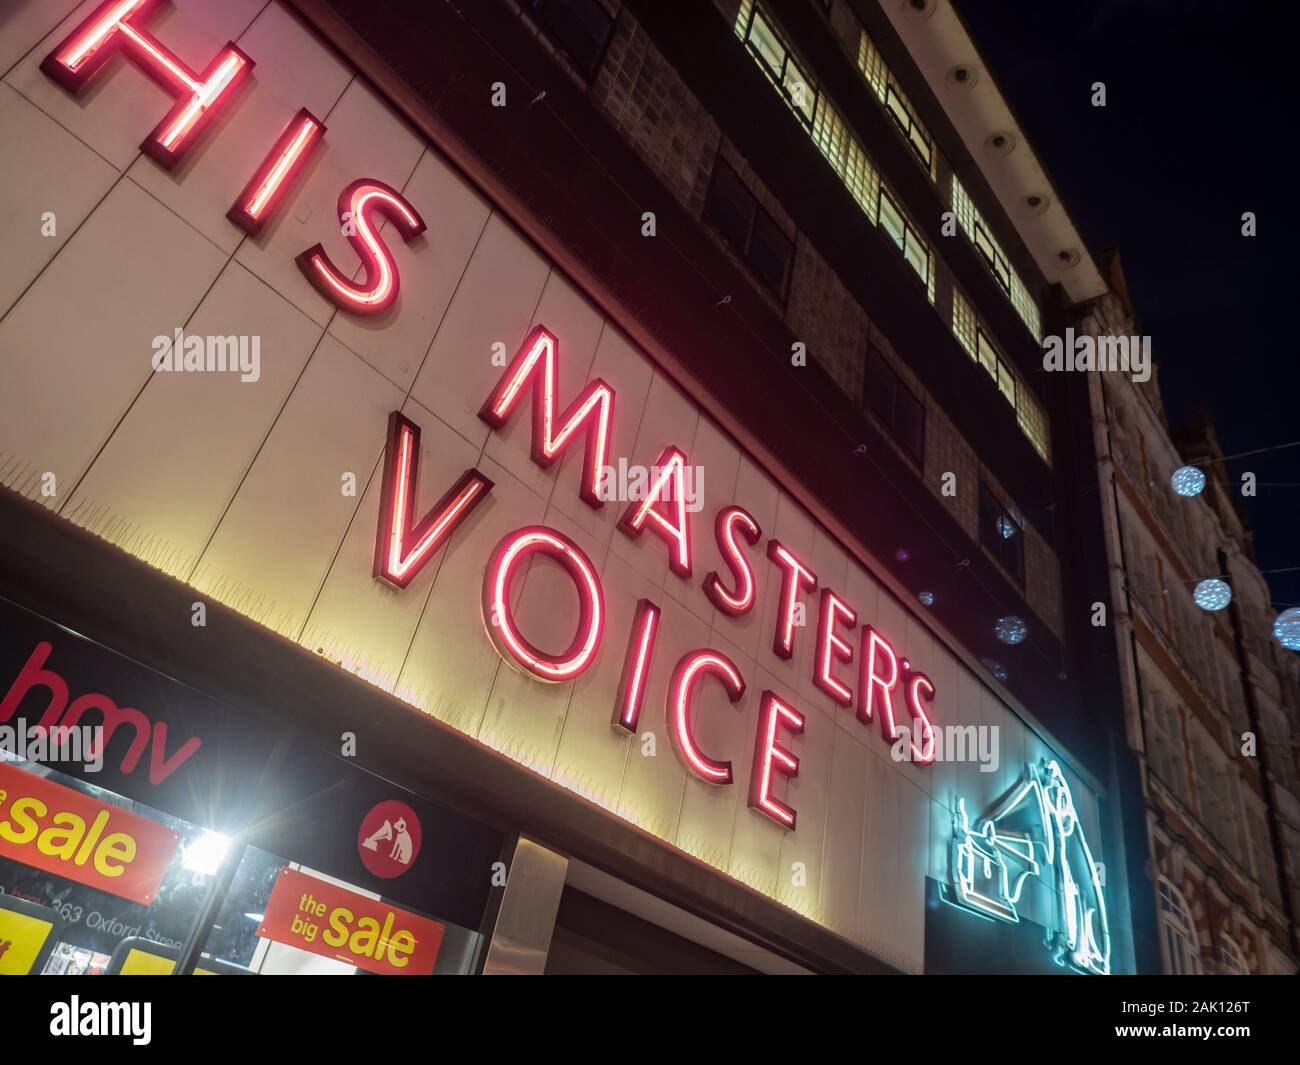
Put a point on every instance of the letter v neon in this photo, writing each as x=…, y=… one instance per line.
x=402, y=547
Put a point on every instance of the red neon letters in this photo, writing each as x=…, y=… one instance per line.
x=668, y=488
x=115, y=27
x=358, y=204
x=691, y=669
x=279, y=170
x=878, y=679
x=741, y=601
x=831, y=646
x=594, y=408
x=498, y=614
x=770, y=758
x=636, y=666
x=794, y=575
x=402, y=547
x=917, y=688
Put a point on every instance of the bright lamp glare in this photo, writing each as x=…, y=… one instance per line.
x=205, y=854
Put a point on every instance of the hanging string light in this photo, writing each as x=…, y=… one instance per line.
x=1286, y=628
x=1011, y=629
x=1188, y=481
x=1212, y=594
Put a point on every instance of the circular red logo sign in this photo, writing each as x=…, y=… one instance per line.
x=389, y=839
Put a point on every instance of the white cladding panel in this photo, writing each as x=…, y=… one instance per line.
x=238, y=487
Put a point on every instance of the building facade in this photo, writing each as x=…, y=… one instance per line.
x=1210, y=696
x=573, y=481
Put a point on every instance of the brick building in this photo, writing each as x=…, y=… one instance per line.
x=1210, y=697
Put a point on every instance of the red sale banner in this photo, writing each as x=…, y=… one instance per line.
x=331, y=921
x=50, y=827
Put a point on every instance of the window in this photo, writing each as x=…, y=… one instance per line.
x=1233, y=958
x=974, y=226
x=917, y=138
x=1029, y=412
x=994, y=257
x=1002, y=534
x=914, y=249
x=750, y=230
x=1166, y=756
x=782, y=67
x=878, y=76
x=1178, y=932
x=581, y=28
x=895, y=404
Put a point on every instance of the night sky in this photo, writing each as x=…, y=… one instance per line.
x=1197, y=129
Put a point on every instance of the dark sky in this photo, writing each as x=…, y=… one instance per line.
x=1198, y=127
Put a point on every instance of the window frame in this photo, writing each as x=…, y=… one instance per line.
x=743, y=253
x=908, y=231
x=779, y=76
x=1177, y=923
x=992, y=257
x=912, y=129
x=890, y=419
x=536, y=10
x=997, y=548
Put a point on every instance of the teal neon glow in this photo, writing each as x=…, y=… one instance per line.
x=1033, y=828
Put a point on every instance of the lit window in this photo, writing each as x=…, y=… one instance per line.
x=974, y=226
x=994, y=257
x=913, y=248
x=781, y=67
x=917, y=138
x=831, y=135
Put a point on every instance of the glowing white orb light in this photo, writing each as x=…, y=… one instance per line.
x=1212, y=594
x=927, y=598
x=1286, y=628
x=1188, y=481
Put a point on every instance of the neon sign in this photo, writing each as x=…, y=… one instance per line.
x=406, y=542
x=113, y=28
x=1034, y=828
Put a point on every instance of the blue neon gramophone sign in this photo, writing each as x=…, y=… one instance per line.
x=1034, y=830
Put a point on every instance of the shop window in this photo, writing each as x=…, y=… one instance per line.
x=581, y=28
x=1002, y=534
x=1179, y=932
x=784, y=70
x=895, y=404
x=173, y=865
x=914, y=249
x=750, y=230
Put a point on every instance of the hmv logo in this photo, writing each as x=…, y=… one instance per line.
x=64, y=709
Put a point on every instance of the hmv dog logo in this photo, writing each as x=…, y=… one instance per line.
x=63, y=708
